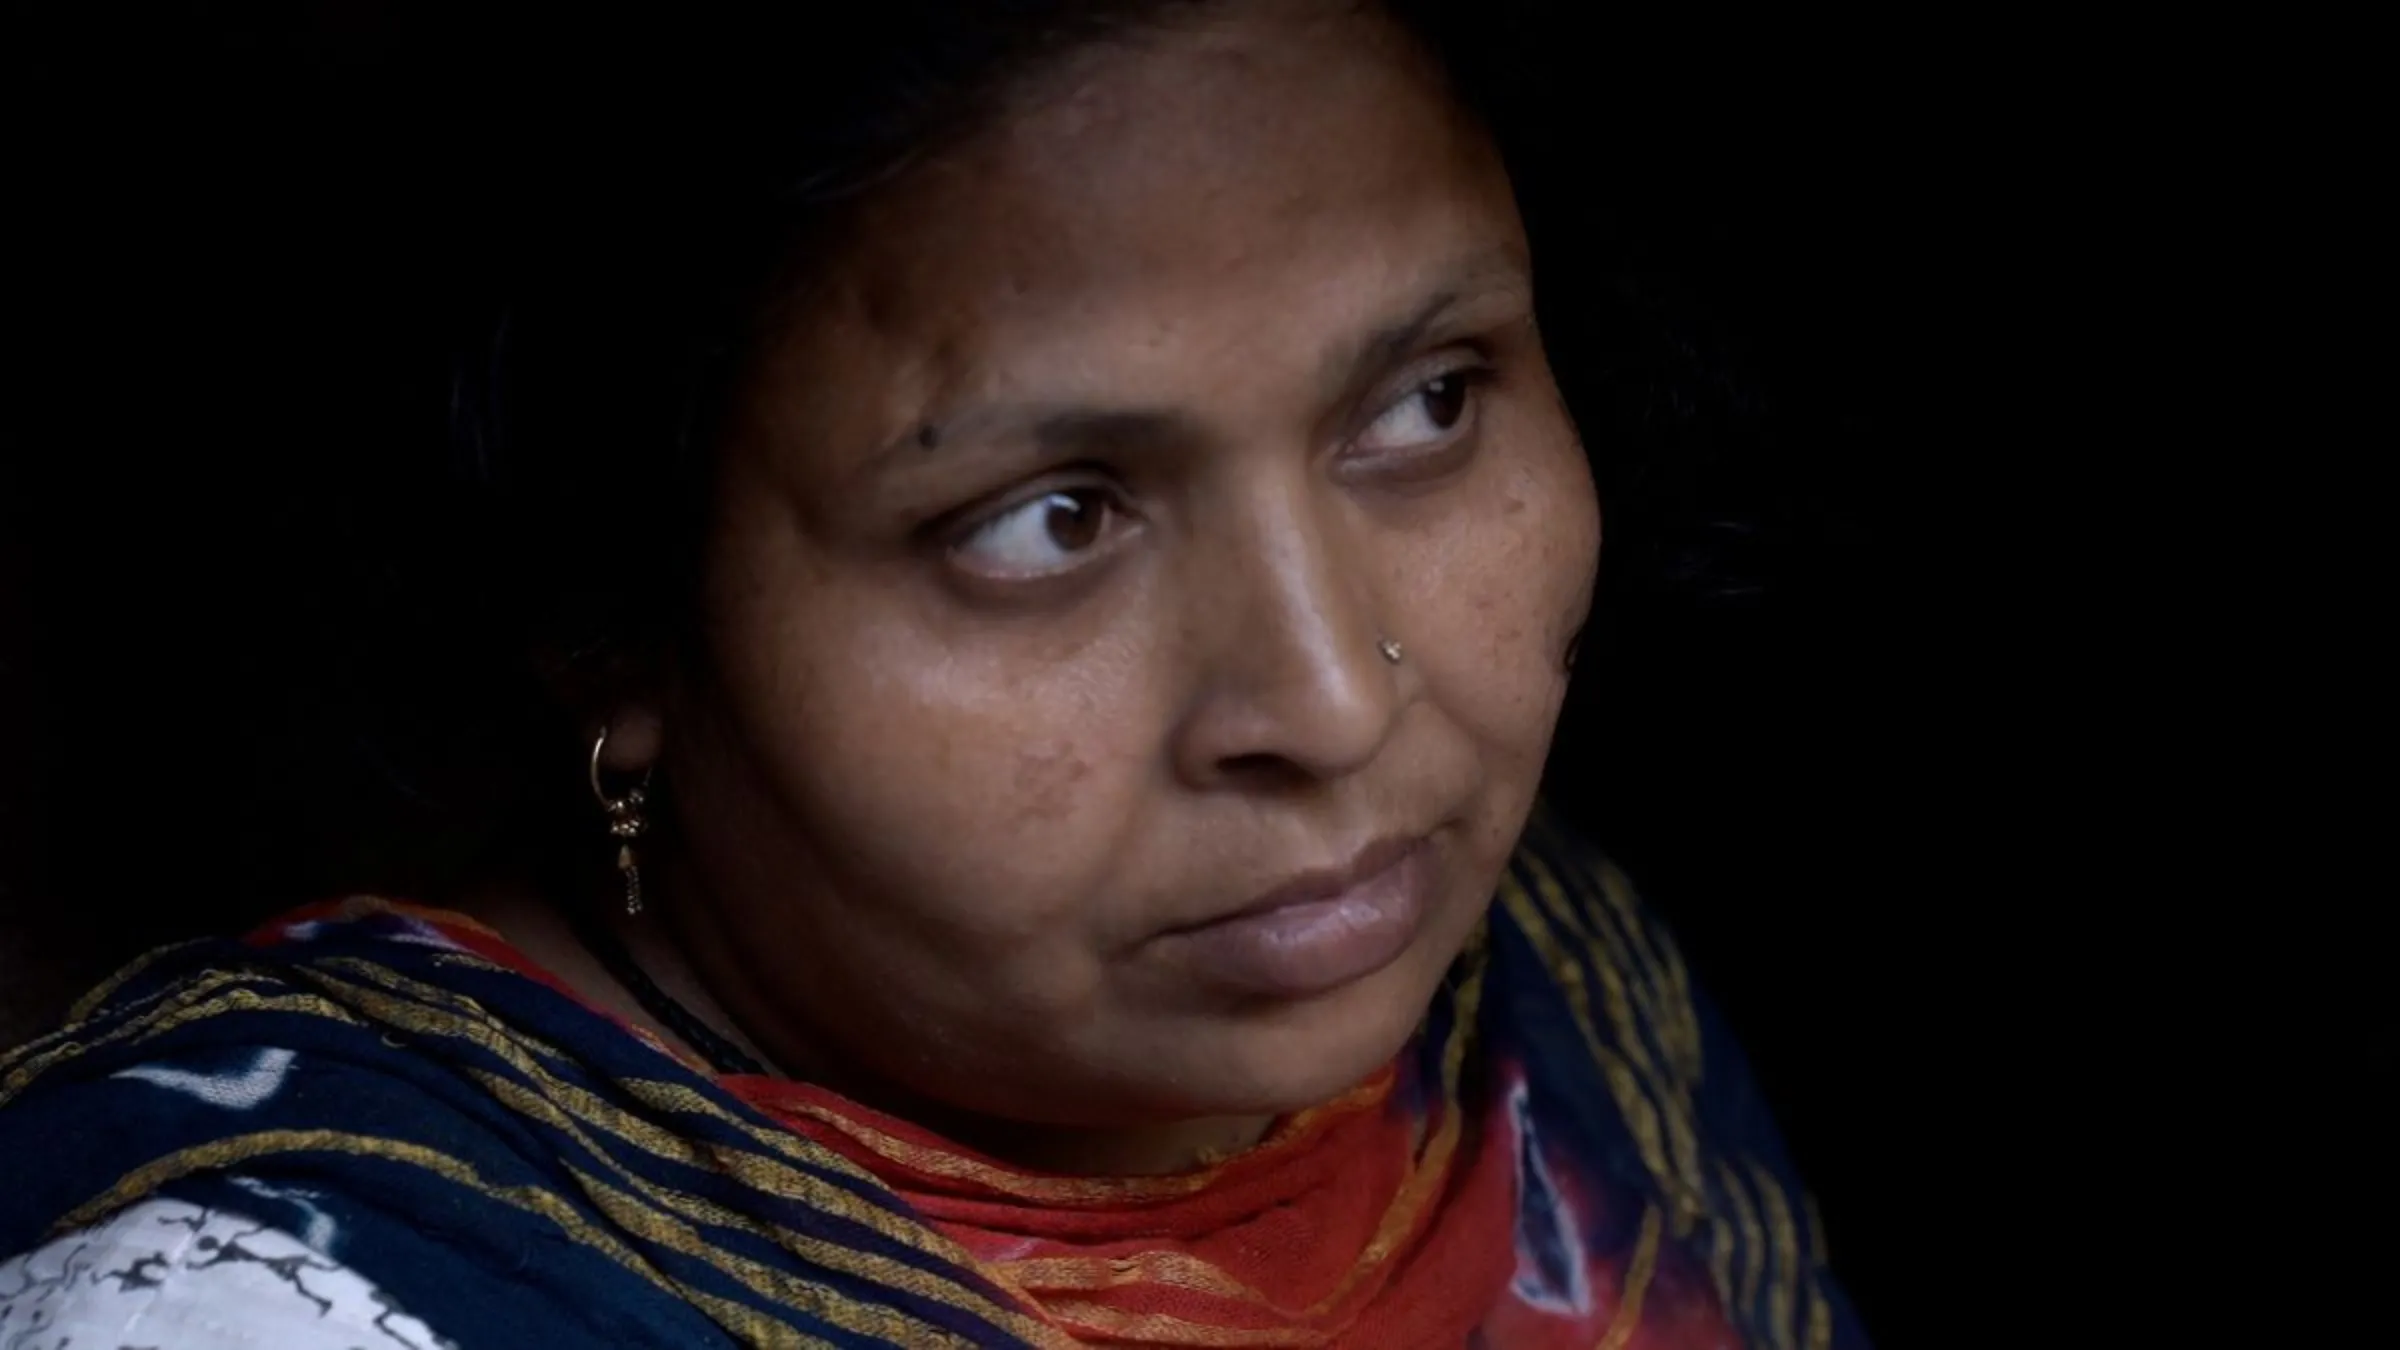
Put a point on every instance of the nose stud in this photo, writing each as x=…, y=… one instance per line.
x=1390, y=650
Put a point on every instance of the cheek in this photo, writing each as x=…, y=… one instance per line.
x=919, y=776
x=1504, y=582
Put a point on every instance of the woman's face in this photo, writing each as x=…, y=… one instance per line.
x=1043, y=760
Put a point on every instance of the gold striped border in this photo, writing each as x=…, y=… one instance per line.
x=432, y=997
x=1820, y=1311
x=465, y=1004
x=67, y=1040
x=1783, y=1292
x=1650, y=938
x=771, y=1177
x=1429, y=1174
x=1720, y=1259
x=1753, y=1242
x=1547, y=842
x=1168, y=1268
x=1627, y=1319
x=1078, y=1191
x=1604, y=890
x=649, y=1222
x=165, y=1018
x=1689, y=1186
x=417, y=1019
x=92, y=1003
x=87, y=1008
x=1641, y=1118
x=673, y=1228
x=1117, y=1325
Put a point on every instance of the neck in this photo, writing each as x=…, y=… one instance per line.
x=676, y=954
x=543, y=932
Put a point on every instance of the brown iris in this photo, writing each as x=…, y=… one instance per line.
x=1073, y=519
x=1445, y=400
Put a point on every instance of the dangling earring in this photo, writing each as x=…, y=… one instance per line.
x=625, y=822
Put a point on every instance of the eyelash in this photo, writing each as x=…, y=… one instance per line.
x=1471, y=375
x=1069, y=481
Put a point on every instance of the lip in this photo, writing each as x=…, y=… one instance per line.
x=1322, y=929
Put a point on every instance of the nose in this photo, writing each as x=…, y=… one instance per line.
x=1294, y=684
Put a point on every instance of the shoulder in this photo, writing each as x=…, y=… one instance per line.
x=358, y=1097
x=1596, y=998
x=1604, y=947
x=1617, y=965
x=169, y=1272
x=226, y=1075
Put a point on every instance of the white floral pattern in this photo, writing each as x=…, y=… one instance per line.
x=168, y=1275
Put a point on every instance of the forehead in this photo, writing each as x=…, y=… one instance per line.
x=1203, y=147
x=1266, y=176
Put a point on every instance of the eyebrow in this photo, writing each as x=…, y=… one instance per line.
x=1084, y=428
x=1499, y=271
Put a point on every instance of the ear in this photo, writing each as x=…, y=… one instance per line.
x=636, y=736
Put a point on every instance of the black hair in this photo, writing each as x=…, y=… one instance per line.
x=569, y=230
x=365, y=348
x=665, y=234
x=663, y=237
x=585, y=409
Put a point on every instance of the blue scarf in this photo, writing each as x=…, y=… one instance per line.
x=515, y=1168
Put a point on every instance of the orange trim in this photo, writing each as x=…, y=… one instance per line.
x=928, y=1155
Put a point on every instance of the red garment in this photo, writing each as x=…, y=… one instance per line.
x=1359, y=1222
x=1392, y=1216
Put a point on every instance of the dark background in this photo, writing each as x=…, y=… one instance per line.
x=1810, y=718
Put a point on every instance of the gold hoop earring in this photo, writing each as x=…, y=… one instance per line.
x=626, y=823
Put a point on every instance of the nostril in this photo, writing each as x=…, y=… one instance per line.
x=1260, y=770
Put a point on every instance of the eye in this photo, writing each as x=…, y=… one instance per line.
x=1430, y=414
x=1046, y=535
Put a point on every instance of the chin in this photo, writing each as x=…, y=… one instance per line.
x=1288, y=1057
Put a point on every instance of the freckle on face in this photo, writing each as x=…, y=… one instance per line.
x=1045, y=780
x=978, y=815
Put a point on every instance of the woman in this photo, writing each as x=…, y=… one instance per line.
x=1062, y=588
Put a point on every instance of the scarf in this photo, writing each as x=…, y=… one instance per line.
x=1568, y=1153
